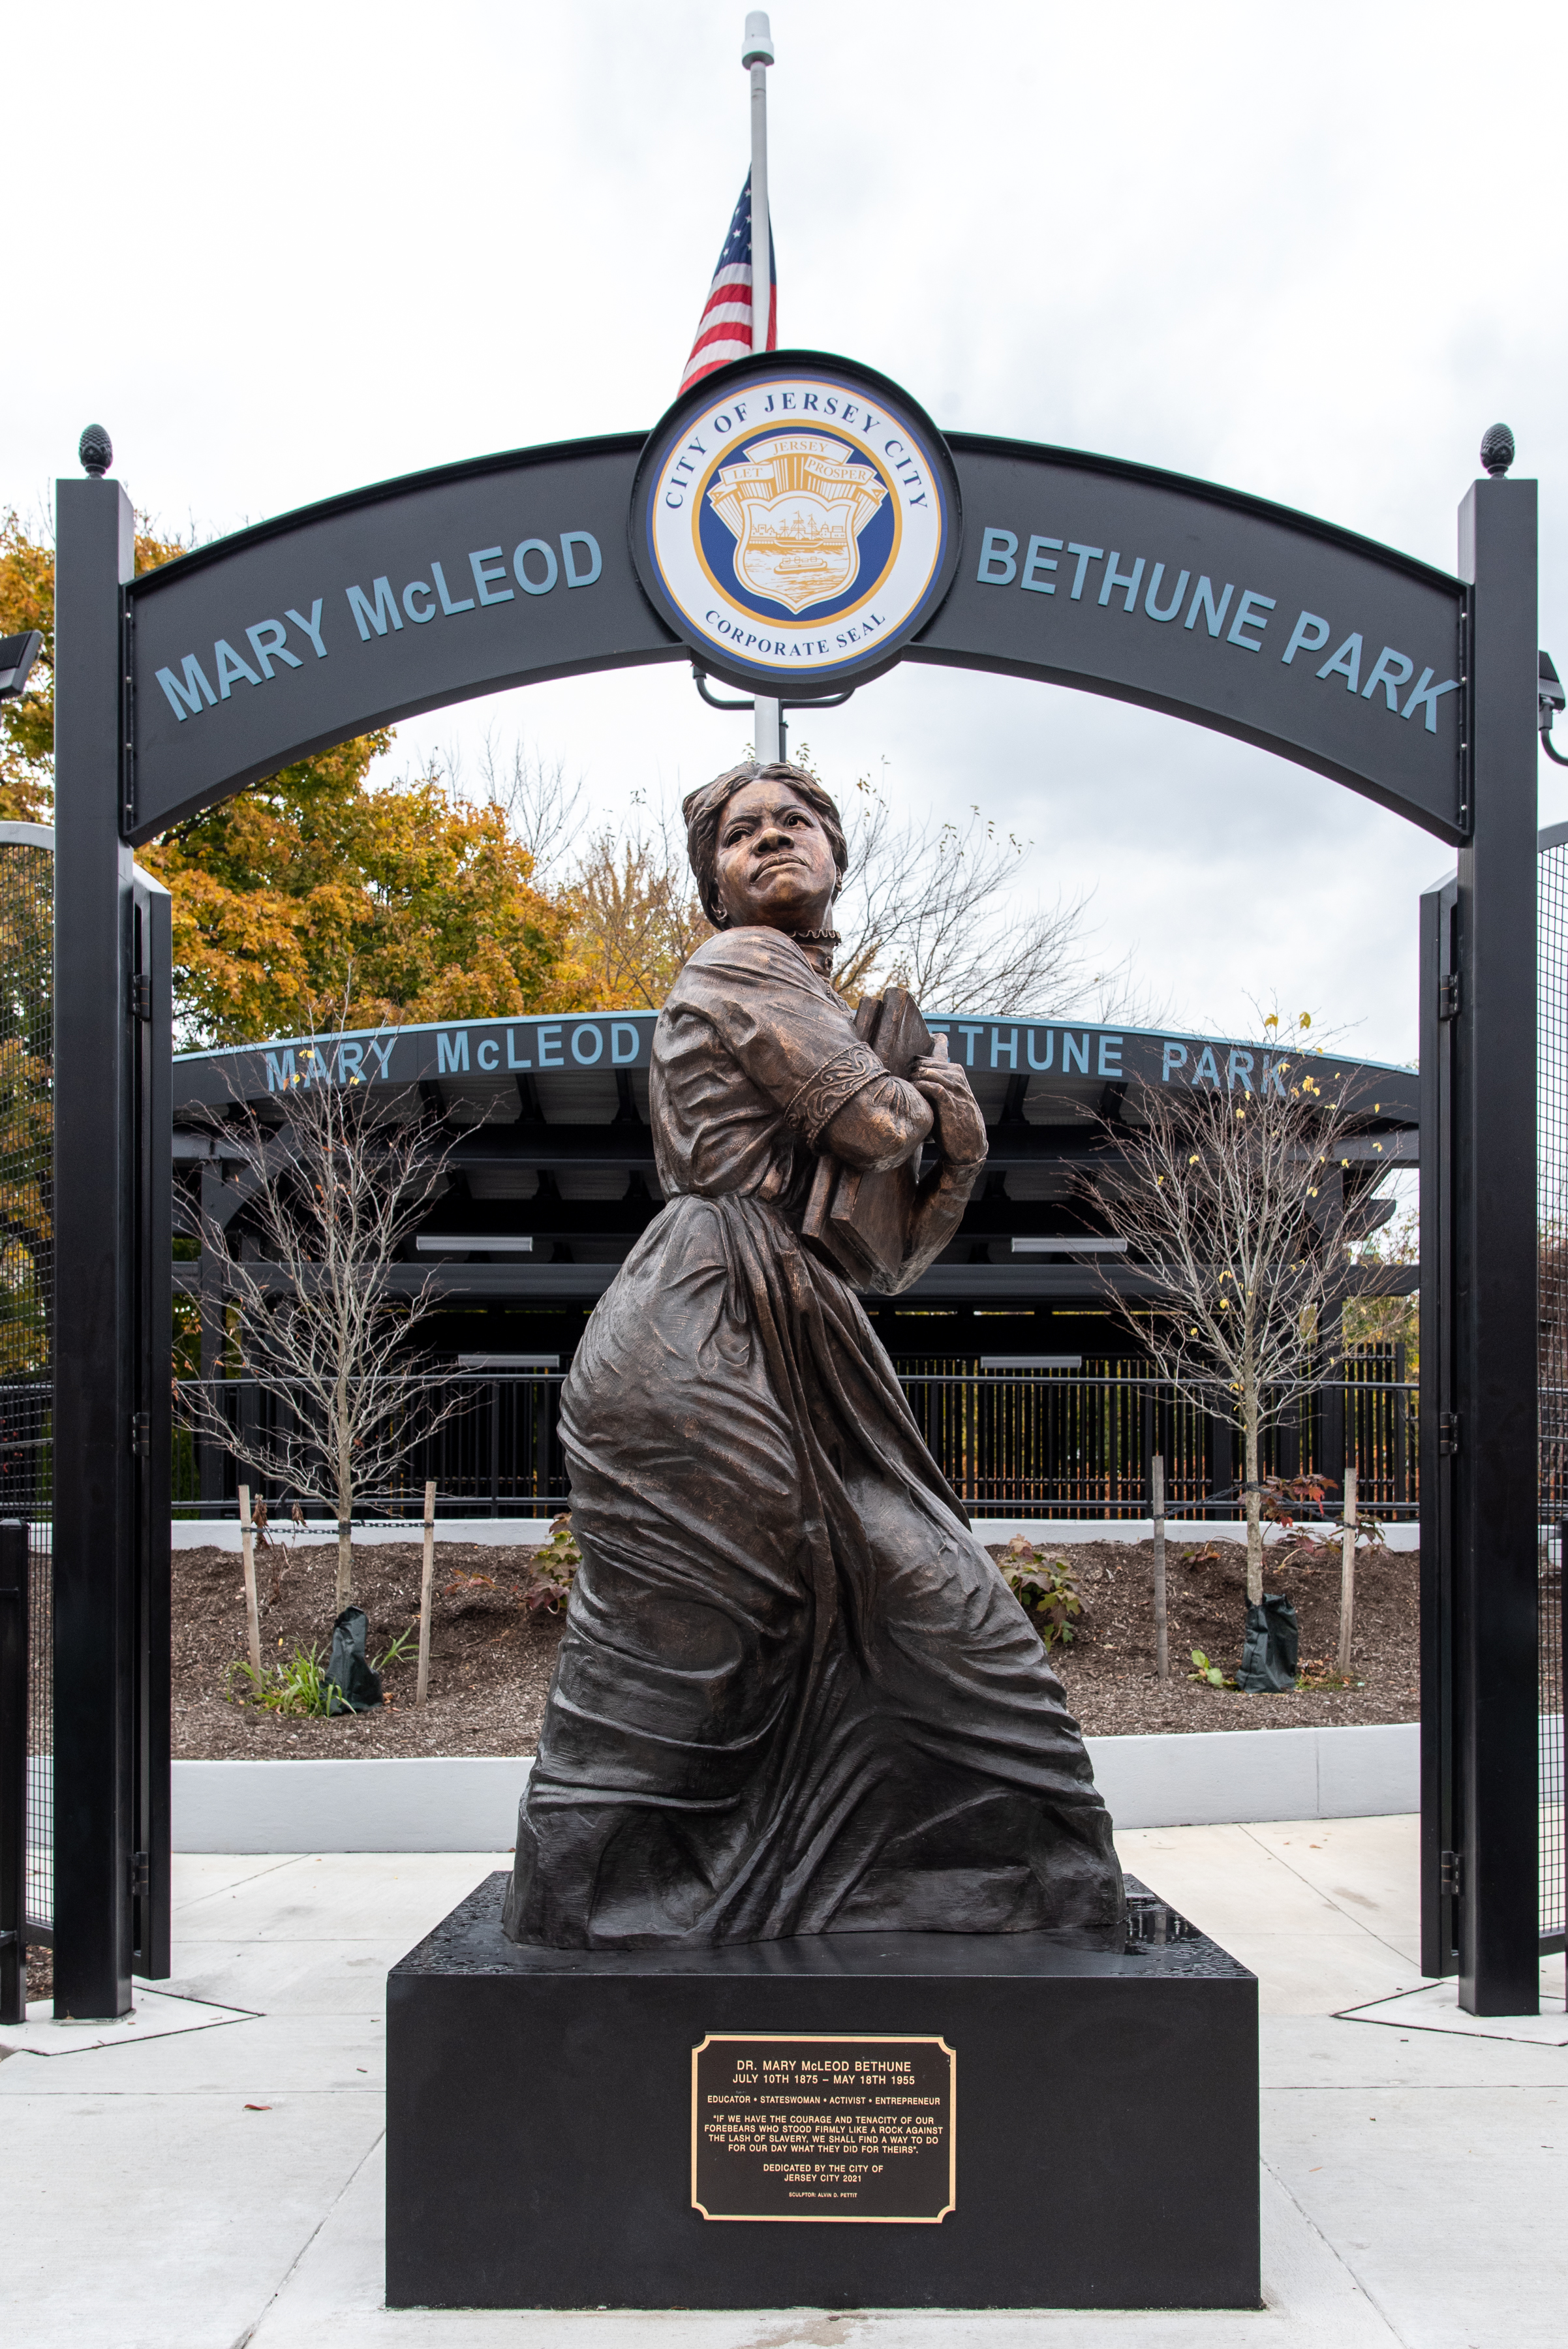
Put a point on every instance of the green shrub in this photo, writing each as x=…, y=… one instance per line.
x=1046, y=1589
x=298, y=1685
x=1207, y=1672
x=552, y=1570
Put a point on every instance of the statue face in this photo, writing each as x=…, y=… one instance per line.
x=774, y=864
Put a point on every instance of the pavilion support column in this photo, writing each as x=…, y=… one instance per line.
x=209, y=1455
x=1329, y=1452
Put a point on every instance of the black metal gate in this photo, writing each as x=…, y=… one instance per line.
x=1552, y=1161
x=135, y=754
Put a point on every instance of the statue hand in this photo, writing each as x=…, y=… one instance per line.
x=961, y=1128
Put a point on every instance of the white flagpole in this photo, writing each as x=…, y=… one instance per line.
x=757, y=55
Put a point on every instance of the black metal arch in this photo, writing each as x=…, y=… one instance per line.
x=1081, y=571
x=1412, y=687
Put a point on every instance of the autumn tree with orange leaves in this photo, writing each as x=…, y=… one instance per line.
x=314, y=884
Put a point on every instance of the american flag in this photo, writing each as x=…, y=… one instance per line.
x=724, y=329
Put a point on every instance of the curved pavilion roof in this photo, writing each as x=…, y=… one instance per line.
x=553, y=1160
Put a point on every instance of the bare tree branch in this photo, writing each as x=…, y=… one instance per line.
x=542, y=810
x=1231, y=1199
x=334, y=1189
x=929, y=907
x=1391, y=1321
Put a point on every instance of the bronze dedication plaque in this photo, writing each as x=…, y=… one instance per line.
x=835, y=2129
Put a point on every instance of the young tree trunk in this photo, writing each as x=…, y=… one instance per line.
x=345, y=1492
x=1161, y=1624
x=343, y=1592
x=1254, y=1511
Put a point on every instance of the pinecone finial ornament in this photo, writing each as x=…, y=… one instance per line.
x=1497, y=449
x=96, y=451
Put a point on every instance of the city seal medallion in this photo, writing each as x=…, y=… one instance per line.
x=796, y=521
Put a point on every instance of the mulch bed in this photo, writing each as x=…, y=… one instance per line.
x=490, y=1659
x=1109, y=1673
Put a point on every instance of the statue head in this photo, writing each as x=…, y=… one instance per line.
x=767, y=847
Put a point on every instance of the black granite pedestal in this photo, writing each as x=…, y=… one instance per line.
x=1090, y=2118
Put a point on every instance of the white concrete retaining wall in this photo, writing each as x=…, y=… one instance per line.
x=187, y=1533
x=470, y=1803
x=1223, y=1776
x=464, y=1802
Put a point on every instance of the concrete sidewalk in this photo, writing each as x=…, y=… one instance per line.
x=220, y=2185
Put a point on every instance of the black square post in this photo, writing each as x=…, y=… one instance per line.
x=1478, y=1460
x=153, y=1324
x=1440, y=1833
x=96, y=1138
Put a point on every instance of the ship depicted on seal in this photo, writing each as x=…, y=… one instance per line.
x=796, y=506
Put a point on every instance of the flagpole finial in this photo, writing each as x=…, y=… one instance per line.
x=758, y=47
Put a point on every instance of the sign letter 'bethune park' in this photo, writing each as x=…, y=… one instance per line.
x=832, y=2128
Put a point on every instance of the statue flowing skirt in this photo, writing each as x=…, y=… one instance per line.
x=793, y=1695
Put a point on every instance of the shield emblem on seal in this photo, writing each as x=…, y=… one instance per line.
x=796, y=506
x=798, y=548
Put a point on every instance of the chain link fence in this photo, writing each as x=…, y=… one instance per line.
x=1551, y=1209
x=26, y=1304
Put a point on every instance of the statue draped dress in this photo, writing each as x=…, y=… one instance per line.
x=794, y=1696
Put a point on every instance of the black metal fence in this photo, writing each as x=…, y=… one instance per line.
x=1551, y=1853
x=27, y=1758
x=41, y=1808
x=490, y=1443
x=1552, y=1206
x=1074, y=1445
x=27, y=1323
x=13, y=1773
x=1058, y=1443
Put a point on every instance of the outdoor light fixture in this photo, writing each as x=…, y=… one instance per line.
x=1550, y=698
x=1082, y=1246
x=17, y=654
x=474, y=1243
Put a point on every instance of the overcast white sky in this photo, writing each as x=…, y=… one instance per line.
x=1311, y=252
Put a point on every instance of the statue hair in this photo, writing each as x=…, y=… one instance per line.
x=704, y=811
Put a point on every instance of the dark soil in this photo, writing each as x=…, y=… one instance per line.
x=1109, y=1670
x=490, y=1660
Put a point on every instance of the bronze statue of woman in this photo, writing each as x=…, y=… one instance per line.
x=794, y=1696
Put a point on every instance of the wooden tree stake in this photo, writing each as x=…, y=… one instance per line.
x=426, y=1576
x=1347, y=1573
x=248, y=1552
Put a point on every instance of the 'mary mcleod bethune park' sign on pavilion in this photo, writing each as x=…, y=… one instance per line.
x=793, y=526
